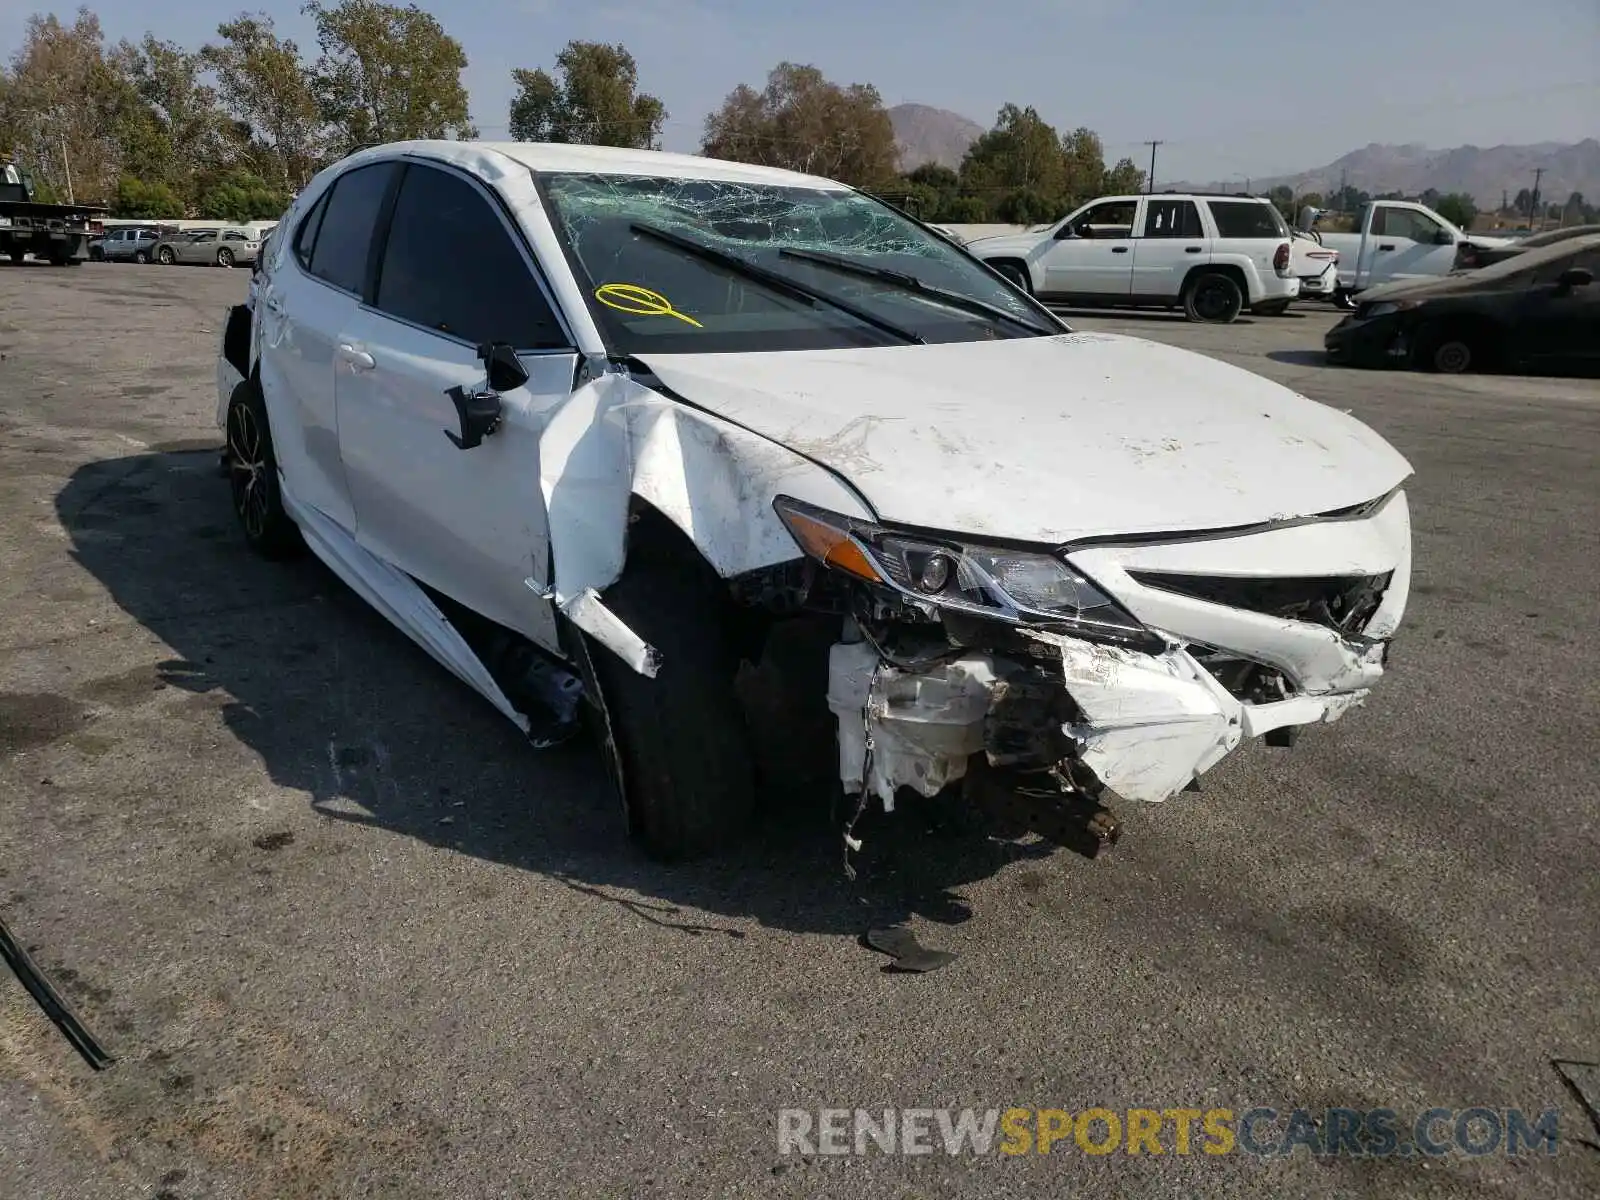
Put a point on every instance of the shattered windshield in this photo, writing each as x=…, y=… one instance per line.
x=707, y=266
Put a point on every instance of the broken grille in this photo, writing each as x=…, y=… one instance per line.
x=1342, y=602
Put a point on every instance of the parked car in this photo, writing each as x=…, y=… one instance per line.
x=1394, y=240
x=1316, y=265
x=1538, y=311
x=593, y=425
x=212, y=247
x=1470, y=255
x=1213, y=256
x=126, y=244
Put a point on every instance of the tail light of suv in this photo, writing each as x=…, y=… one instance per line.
x=1280, y=258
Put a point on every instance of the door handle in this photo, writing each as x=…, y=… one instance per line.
x=274, y=305
x=1191, y=249
x=1119, y=249
x=1388, y=247
x=359, y=360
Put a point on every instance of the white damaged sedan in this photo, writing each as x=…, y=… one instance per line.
x=590, y=425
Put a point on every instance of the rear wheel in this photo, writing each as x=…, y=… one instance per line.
x=253, y=477
x=1213, y=298
x=1016, y=273
x=165, y=257
x=224, y=257
x=141, y=256
x=680, y=748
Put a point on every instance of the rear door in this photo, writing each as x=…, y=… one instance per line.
x=307, y=306
x=455, y=273
x=1092, y=255
x=1171, y=243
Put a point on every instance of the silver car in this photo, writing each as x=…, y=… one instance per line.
x=211, y=247
x=127, y=244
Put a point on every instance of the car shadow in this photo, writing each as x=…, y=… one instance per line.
x=1300, y=358
x=344, y=709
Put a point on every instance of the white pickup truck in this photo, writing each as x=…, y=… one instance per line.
x=1395, y=240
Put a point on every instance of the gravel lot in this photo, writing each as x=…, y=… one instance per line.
x=348, y=936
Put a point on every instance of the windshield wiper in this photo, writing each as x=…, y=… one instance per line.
x=911, y=283
x=775, y=280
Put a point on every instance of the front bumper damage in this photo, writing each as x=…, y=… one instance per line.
x=1263, y=632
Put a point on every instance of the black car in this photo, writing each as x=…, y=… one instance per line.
x=1470, y=255
x=1538, y=312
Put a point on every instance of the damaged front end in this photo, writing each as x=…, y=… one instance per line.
x=1133, y=668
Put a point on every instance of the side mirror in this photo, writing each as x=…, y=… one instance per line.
x=1574, y=277
x=1444, y=238
x=506, y=372
x=1066, y=231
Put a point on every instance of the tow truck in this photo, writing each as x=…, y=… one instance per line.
x=59, y=233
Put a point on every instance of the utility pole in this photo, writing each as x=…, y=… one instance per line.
x=67, y=168
x=1533, y=200
x=1150, y=179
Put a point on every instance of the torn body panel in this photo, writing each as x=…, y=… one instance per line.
x=617, y=440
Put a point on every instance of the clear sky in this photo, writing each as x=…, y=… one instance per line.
x=1234, y=87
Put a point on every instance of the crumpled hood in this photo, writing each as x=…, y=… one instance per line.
x=1048, y=439
x=1421, y=289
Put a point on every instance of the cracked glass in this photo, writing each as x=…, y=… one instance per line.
x=649, y=294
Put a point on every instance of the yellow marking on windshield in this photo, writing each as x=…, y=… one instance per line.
x=640, y=302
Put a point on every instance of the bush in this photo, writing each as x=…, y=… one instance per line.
x=136, y=198
x=240, y=198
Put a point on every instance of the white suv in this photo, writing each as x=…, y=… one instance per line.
x=1213, y=255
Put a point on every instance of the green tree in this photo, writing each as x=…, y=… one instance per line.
x=592, y=99
x=152, y=201
x=1084, y=161
x=240, y=197
x=804, y=122
x=387, y=74
x=1126, y=178
x=1031, y=206
x=176, y=127
x=267, y=90
x=1021, y=153
x=1572, y=211
x=1457, y=208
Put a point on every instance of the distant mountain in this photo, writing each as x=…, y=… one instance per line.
x=1483, y=173
x=931, y=135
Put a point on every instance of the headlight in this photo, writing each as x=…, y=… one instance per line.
x=1016, y=586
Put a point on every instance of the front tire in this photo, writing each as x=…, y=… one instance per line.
x=1213, y=298
x=681, y=749
x=253, y=478
x=1447, y=351
x=1016, y=274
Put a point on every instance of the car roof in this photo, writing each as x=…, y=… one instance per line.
x=486, y=158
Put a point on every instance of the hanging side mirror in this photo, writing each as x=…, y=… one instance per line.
x=505, y=369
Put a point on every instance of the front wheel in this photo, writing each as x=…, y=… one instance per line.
x=678, y=743
x=1447, y=351
x=253, y=477
x=165, y=257
x=1213, y=299
x=1016, y=274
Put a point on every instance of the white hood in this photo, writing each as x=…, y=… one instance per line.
x=1048, y=439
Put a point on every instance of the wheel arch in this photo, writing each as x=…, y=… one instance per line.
x=1231, y=270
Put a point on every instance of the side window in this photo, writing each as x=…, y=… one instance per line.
x=1112, y=219
x=1171, y=219
x=344, y=236
x=451, y=265
x=1247, y=219
x=306, y=236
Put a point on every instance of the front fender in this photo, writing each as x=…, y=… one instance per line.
x=617, y=439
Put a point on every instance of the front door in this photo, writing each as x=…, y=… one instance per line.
x=1173, y=242
x=1558, y=326
x=1404, y=243
x=470, y=523
x=1092, y=255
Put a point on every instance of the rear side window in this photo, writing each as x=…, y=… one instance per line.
x=344, y=234
x=306, y=236
x=451, y=265
x=1171, y=219
x=1247, y=219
